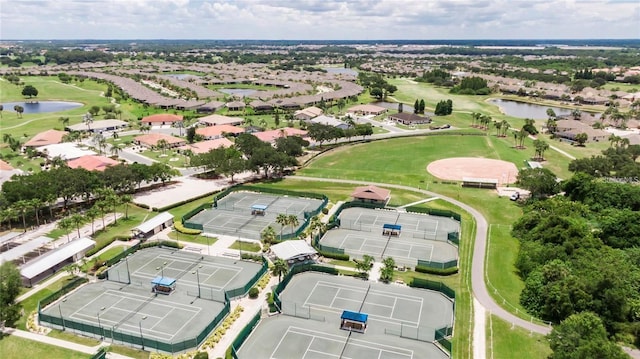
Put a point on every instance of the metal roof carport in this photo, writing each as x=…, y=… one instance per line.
x=53, y=259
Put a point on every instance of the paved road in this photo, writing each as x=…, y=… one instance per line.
x=479, y=251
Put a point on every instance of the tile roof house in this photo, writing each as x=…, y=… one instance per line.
x=371, y=194
x=367, y=109
x=48, y=137
x=407, y=118
x=206, y=146
x=6, y=171
x=160, y=119
x=99, y=126
x=308, y=113
x=92, y=163
x=152, y=139
x=569, y=129
x=213, y=120
x=235, y=106
x=272, y=135
x=213, y=132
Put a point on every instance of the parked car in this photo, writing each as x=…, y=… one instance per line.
x=515, y=196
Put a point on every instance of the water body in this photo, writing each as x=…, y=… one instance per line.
x=341, y=70
x=527, y=110
x=42, y=106
x=239, y=92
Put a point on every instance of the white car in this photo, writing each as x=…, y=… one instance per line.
x=515, y=196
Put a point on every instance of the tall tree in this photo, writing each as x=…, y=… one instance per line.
x=19, y=110
x=293, y=221
x=30, y=91
x=66, y=225
x=10, y=284
x=541, y=182
x=280, y=268
x=282, y=219
x=580, y=336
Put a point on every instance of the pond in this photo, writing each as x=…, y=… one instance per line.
x=42, y=106
x=527, y=110
x=239, y=92
x=341, y=70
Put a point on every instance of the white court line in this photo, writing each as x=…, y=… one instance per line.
x=185, y=323
x=357, y=342
x=384, y=294
x=157, y=301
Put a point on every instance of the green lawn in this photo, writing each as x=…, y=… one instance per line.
x=631, y=88
x=16, y=347
x=195, y=238
x=246, y=246
x=505, y=342
x=106, y=255
x=30, y=304
x=128, y=351
x=68, y=336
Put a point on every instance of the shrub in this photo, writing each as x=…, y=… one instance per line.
x=253, y=257
x=338, y=256
x=437, y=271
x=201, y=355
x=325, y=210
x=184, y=230
x=99, y=247
x=254, y=292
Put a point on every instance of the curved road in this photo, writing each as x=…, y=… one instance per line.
x=479, y=287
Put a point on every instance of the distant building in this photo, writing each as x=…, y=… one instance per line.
x=307, y=113
x=66, y=151
x=367, y=110
x=154, y=225
x=216, y=120
x=152, y=139
x=92, y=163
x=408, y=119
x=162, y=119
x=272, y=135
x=99, y=126
x=6, y=172
x=371, y=194
x=218, y=131
x=206, y=146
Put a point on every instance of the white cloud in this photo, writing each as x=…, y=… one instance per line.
x=318, y=19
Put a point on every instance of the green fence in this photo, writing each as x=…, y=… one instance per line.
x=432, y=285
x=238, y=292
x=138, y=340
x=435, y=212
x=438, y=265
x=71, y=285
x=442, y=337
x=454, y=237
x=101, y=354
x=295, y=270
x=352, y=204
x=243, y=335
x=192, y=213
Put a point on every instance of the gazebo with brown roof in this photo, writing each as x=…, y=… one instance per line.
x=371, y=194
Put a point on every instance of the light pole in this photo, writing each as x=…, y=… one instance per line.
x=161, y=268
x=208, y=253
x=197, y=273
x=100, y=324
x=126, y=261
x=60, y=310
x=140, y=326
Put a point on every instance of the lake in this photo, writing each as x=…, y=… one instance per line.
x=42, y=106
x=527, y=110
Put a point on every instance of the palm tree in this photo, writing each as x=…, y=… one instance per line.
x=87, y=119
x=280, y=268
x=64, y=121
x=65, y=224
x=103, y=208
x=505, y=127
x=36, y=203
x=19, y=110
x=162, y=145
x=293, y=221
x=498, y=126
x=77, y=219
x=21, y=207
x=613, y=139
x=126, y=199
x=268, y=235
x=282, y=219
x=8, y=214
x=115, y=149
x=91, y=214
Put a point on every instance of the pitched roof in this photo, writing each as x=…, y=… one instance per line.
x=152, y=139
x=311, y=112
x=154, y=222
x=371, y=192
x=220, y=120
x=218, y=130
x=206, y=146
x=162, y=117
x=48, y=260
x=66, y=151
x=92, y=163
x=48, y=137
x=409, y=117
x=272, y=135
x=367, y=109
x=4, y=166
x=291, y=249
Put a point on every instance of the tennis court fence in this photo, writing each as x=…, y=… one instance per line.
x=424, y=334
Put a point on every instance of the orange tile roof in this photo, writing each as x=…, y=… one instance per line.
x=272, y=135
x=162, y=117
x=212, y=131
x=49, y=137
x=5, y=166
x=151, y=139
x=206, y=146
x=92, y=163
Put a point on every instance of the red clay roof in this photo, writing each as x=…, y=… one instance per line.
x=371, y=192
x=151, y=139
x=92, y=163
x=162, y=117
x=212, y=131
x=272, y=135
x=206, y=146
x=5, y=166
x=49, y=137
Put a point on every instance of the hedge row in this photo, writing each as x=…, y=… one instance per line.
x=99, y=247
x=178, y=204
x=184, y=230
x=437, y=271
x=338, y=256
x=254, y=257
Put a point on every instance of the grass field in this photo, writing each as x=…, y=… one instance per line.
x=505, y=342
x=246, y=246
x=30, y=304
x=15, y=347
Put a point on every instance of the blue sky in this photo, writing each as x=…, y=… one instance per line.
x=319, y=19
